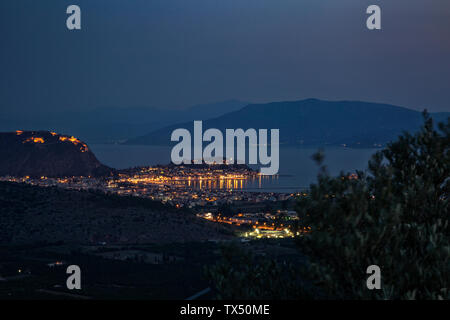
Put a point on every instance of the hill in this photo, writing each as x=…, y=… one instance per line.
x=31, y=214
x=313, y=122
x=43, y=153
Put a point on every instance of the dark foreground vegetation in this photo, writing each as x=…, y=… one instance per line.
x=30, y=215
x=395, y=215
x=144, y=271
x=126, y=247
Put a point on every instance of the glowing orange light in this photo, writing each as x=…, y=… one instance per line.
x=75, y=141
x=35, y=140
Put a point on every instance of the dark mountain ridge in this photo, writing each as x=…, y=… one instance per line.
x=43, y=153
x=313, y=122
x=32, y=214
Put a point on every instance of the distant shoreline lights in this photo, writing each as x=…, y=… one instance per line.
x=235, y=147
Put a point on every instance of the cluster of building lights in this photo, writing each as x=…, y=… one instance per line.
x=260, y=229
x=41, y=140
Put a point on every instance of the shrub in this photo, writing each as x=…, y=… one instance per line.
x=242, y=275
x=394, y=216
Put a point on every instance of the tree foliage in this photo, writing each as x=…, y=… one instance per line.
x=394, y=215
x=242, y=275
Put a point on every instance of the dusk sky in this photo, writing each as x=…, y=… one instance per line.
x=177, y=53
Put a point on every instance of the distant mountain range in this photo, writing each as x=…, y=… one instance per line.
x=43, y=153
x=112, y=124
x=312, y=122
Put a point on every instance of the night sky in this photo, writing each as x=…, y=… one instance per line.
x=177, y=53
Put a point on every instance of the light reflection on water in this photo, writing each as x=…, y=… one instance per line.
x=253, y=183
x=297, y=169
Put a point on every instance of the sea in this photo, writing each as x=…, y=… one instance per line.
x=296, y=173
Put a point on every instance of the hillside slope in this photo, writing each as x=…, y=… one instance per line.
x=43, y=153
x=31, y=214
